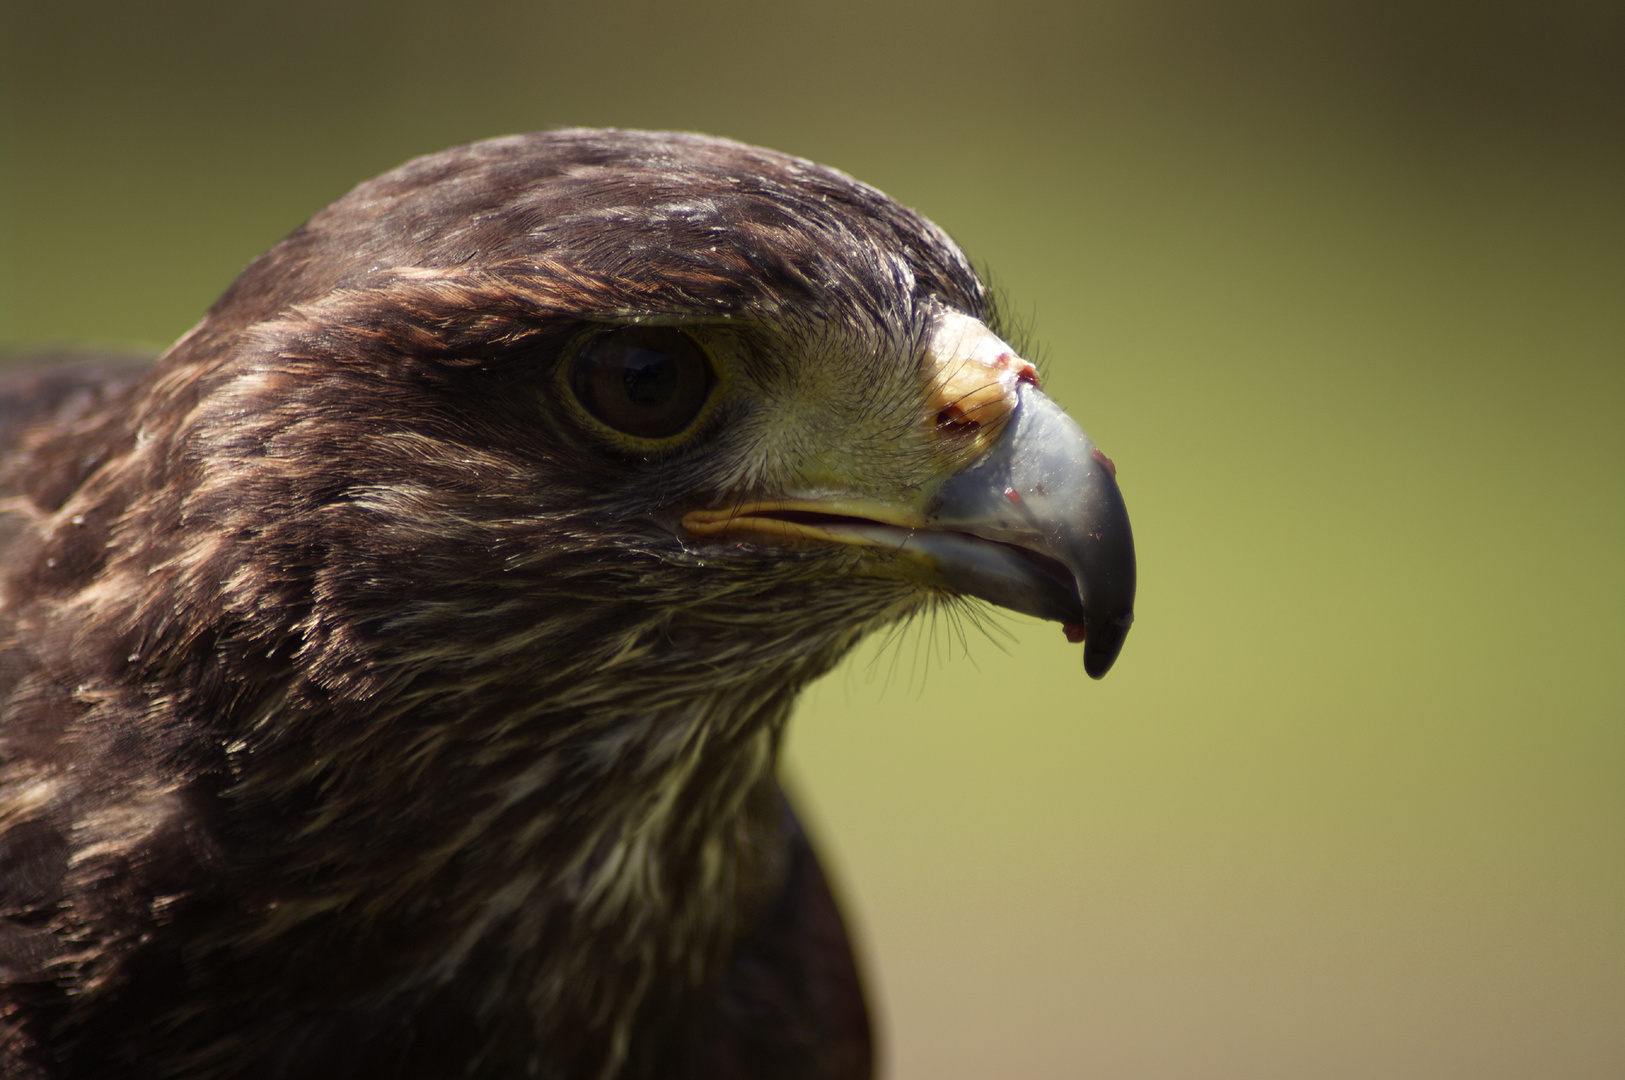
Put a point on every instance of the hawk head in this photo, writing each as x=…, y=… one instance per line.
x=417, y=635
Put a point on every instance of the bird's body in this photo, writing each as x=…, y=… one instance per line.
x=392, y=678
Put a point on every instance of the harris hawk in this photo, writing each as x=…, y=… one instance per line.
x=392, y=676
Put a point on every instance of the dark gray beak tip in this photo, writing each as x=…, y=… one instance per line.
x=1103, y=560
x=1102, y=642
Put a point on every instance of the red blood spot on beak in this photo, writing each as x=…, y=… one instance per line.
x=1074, y=632
x=1105, y=462
x=1025, y=372
x=1012, y=495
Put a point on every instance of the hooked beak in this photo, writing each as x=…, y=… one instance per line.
x=1035, y=524
x=1062, y=546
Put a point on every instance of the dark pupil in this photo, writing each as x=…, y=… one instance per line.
x=645, y=381
x=650, y=376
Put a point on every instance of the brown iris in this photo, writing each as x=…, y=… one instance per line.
x=646, y=381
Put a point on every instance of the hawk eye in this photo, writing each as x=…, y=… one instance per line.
x=647, y=381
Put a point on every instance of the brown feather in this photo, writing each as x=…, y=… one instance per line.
x=364, y=713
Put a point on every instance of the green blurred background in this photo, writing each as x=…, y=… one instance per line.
x=1341, y=286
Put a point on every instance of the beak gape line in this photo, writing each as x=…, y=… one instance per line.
x=1035, y=524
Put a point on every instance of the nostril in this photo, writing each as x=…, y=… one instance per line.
x=954, y=417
